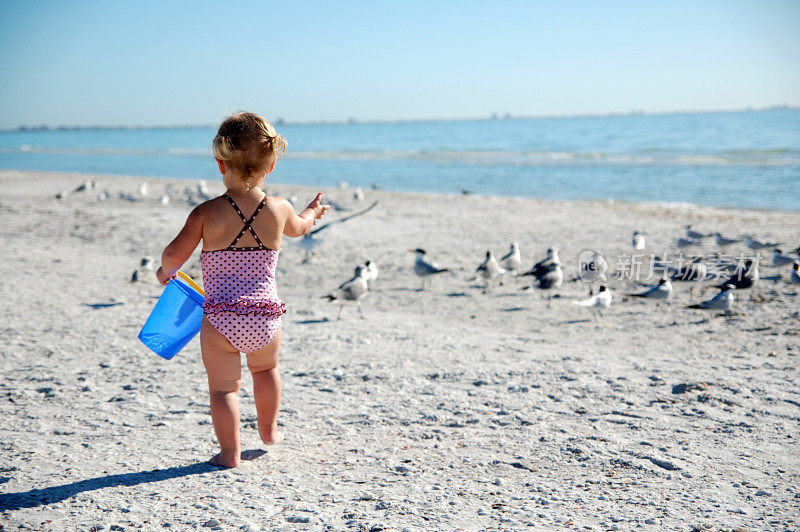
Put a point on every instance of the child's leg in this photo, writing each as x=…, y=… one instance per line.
x=263, y=365
x=223, y=366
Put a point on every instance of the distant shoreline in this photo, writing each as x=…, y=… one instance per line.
x=354, y=121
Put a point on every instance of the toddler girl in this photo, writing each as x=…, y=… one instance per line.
x=241, y=233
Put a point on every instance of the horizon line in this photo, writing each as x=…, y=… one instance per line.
x=354, y=121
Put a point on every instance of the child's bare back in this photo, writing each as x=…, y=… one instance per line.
x=241, y=234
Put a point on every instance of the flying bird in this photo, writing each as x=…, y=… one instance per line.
x=310, y=242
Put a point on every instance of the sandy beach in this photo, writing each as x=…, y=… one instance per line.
x=442, y=409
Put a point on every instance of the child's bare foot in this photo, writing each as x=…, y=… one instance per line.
x=225, y=460
x=270, y=435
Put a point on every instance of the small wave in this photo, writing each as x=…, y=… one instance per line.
x=474, y=157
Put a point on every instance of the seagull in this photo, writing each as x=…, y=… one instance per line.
x=744, y=277
x=756, y=244
x=164, y=200
x=724, y=242
x=135, y=276
x=358, y=194
x=778, y=259
x=543, y=266
x=353, y=290
x=85, y=186
x=489, y=269
x=372, y=272
x=696, y=235
x=146, y=263
x=102, y=196
x=638, y=240
x=424, y=267
x=686, y=242
x=549, y=280
x=124, y=196
x=795, y=273
x=598, y=302
x=512, y=261
x=722, y=301
x=660, y=291
x=309, y=242
x=143, y=190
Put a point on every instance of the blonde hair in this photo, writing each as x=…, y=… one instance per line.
x=248, y=144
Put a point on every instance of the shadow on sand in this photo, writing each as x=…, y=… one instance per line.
x=41, y=497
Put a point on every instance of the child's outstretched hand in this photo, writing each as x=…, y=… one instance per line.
x=318, y=208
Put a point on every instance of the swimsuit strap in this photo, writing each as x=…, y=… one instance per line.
x=247, y=222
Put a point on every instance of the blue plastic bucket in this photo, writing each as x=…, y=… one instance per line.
x=175, y=319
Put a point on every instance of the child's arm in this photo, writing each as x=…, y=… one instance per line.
x=182, y=246
x=300, y=224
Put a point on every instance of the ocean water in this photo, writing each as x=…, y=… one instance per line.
x=738, y=159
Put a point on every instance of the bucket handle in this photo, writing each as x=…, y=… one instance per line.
x=188, y=280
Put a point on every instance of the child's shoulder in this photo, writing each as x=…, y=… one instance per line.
x=209, y=207
x=280, y=203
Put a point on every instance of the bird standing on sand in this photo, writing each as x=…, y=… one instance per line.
x=353, y=290
x=550, y=280
x=779, y=259
x=695, y=235
x=755, y=244
x=795, y=278
x=722, y=301
x=489, y=270
x=544, y=265
x=660, y=291
x=85, y=186
x=142, y=189
x=725, y=242
x=372, y=272
x=512, y=261
x=744, y=277
x=424, y=267
x=687, y=242
x=598, y=302
x=638, y=240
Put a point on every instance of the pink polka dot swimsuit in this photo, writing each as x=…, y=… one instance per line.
x=241, y=294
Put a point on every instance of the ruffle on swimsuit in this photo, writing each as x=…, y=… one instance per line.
x=241, y=293
x=243, y=307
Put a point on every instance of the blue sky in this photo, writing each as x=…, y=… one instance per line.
x=146, y=63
